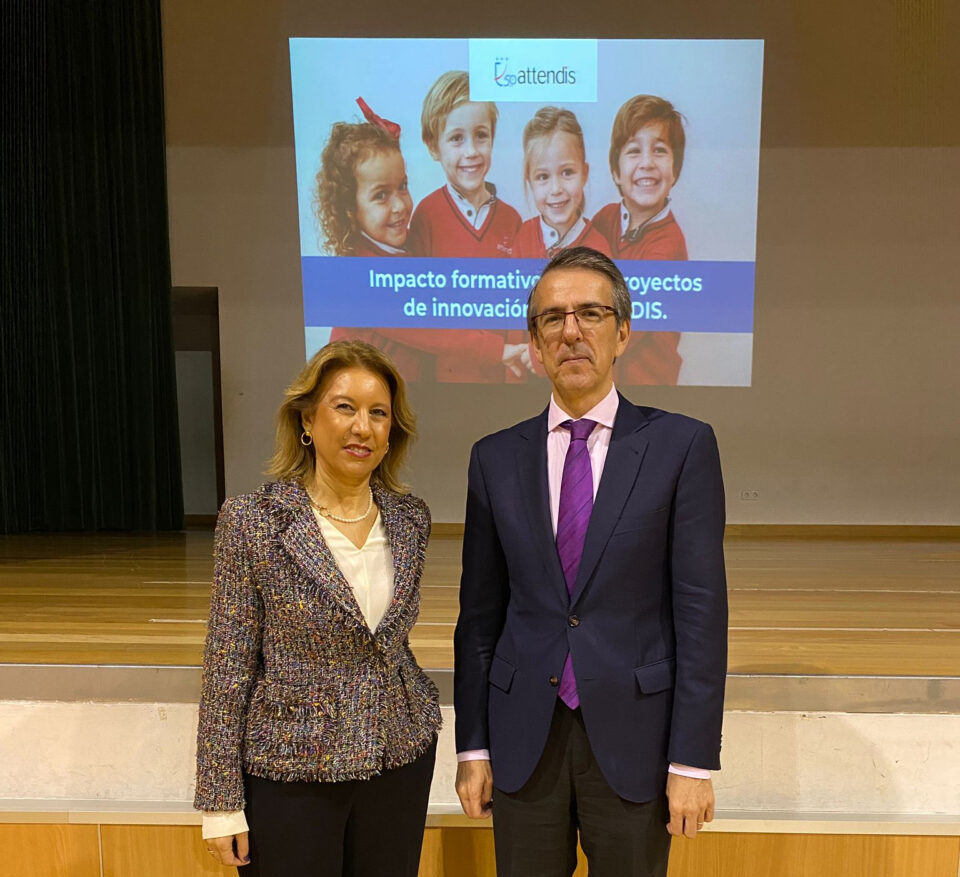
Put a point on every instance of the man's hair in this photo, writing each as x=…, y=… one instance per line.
x=645, y=109
x=590, y=260
x=451, y=90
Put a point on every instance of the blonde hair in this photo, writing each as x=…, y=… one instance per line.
x=292, y=461
x=545, y=122
x=451, y=90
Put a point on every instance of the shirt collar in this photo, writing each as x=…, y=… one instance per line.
x=396, y=251
x=466, y=208
x=604, y=412
x=552, y=240
x=625, y=218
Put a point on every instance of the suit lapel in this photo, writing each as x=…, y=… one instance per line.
x=400, y=534
x=620, y=470
x=533, y=487
x=305, y=545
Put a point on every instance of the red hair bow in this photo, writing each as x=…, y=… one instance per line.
x=392, y=128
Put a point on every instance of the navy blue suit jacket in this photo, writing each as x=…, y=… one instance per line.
x=647, y=623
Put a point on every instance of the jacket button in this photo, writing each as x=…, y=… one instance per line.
x=573, y=621
x=554, y=681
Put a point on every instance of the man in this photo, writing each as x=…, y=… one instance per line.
x=591, y=644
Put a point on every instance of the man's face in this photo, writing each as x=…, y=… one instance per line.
x=578, y=362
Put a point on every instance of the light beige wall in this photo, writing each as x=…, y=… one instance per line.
x=853, y=415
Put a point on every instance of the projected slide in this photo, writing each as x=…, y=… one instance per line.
x=436, y=178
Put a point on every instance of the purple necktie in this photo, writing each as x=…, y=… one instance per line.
x=576, y=503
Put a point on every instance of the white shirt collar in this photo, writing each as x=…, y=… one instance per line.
x=396, y=251
x=552, y=239
x=475, y=216
x=625, y=218
x=604, y=412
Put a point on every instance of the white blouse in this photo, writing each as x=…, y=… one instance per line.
x=369, y=572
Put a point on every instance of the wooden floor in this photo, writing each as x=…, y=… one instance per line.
x=813, y=606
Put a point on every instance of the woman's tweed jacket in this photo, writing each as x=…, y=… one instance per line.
x=295, y=686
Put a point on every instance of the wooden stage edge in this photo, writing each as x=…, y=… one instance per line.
x=68, y=812
x=852, y=532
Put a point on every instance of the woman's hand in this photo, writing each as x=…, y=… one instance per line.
x=234, y=849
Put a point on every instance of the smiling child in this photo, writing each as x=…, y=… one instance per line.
x=555, y=172
x=464, y=217
x=646, y=155
x=362, y=202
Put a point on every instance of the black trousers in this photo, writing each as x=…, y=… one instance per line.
x=360, y=828
x=535, y=829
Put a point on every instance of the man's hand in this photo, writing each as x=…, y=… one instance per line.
x=691, y=804
x=231, y=850
x=475, y=788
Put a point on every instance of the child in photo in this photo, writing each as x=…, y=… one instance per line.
x=363, y=208
x=646, y=155
x=555, y=172
x=463, y=218
x=362, y=202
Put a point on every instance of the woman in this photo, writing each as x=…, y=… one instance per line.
x=317, y=727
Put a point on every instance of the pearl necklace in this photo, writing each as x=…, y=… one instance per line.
x=328, y=514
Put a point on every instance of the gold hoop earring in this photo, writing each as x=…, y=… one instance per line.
x=306, y=439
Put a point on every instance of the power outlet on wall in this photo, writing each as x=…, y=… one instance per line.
x=749, y=496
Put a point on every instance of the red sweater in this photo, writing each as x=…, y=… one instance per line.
x=454, y=356
x=661, y=240
x=528, y=244
x=438, y=228
x=471, y=356
x=650, y=357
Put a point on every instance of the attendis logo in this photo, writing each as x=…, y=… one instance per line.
x=504, y=76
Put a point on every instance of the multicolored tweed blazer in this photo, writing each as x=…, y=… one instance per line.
x=295, y=685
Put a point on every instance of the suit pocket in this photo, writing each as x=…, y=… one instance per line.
x=295, y=701
x=658, y=676
x=630, y=522
x=501, y=674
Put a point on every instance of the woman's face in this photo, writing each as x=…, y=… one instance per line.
x=350, y=424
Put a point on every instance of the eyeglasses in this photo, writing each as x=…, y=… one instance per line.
x=589, y=317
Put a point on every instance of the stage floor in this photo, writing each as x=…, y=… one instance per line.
x=803, y=607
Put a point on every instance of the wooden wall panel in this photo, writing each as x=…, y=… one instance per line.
x=812, y=855
x=157, y=851
x=49, y=851
x=431, y=857
x=464, y=852
x=468, y=852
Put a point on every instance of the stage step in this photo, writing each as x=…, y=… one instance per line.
x=756, y=692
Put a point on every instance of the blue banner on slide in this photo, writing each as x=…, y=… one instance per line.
x=492, y=293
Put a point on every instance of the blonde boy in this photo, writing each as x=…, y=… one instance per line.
x=463, y=218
